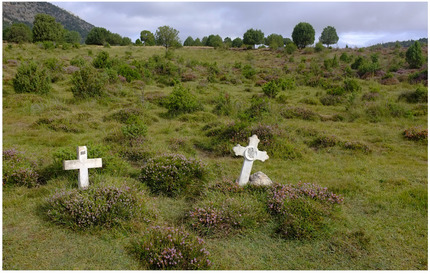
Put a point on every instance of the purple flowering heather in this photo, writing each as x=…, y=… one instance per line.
x=169, y=248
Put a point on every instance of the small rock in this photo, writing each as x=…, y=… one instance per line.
x=260, y=179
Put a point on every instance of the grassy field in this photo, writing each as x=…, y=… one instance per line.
x=330, y=125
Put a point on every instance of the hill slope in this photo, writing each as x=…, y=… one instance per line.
x=24, y=12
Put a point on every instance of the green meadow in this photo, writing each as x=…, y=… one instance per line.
x=356, y=128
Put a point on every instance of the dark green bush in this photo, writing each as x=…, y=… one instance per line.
x=259, y=107
x=129, y=73
x=96, y=206
x=173, y=175
x=102, y=60
x=78, y=61
x=134, y=130
x=167, y=248
x=248, y=71
x=351, y=85
x=31, y=78
x=414, y=55
x=181, y=100
x=271, y=89
x=87, y=83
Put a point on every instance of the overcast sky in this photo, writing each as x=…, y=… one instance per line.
x=357, y=23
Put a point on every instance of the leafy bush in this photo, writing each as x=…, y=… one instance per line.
x=301, y=210
x=87, y=82
x=173, y=175
x=414, y=55
x=134, y=130
x=271, y=89
x=105, y=206
x=248, y=71
x=351, y=85
x=129, y=73
x=78, y=61
x=415, y=134
x=319, y=47
x=31, y=78
x=167, y=248
x=259, y=107
x=17, y=170
x=102, y=60
x=181, y=100
x=290, y=48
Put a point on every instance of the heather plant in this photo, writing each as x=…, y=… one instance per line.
x=301, y=210
x=173, y=175
x=415, y=134
x=169, y=248
x=105, y=206
x=31, y=78
x=18, y=170
x=220, y=214
x=87, y=83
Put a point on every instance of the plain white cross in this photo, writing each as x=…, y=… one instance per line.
x=83, y=164
x=250, y=154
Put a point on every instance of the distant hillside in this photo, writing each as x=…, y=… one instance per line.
x=24, y=12
x=405, y=44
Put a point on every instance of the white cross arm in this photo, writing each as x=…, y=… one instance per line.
x=262, y=156
x=76, y=164
x=239, y=150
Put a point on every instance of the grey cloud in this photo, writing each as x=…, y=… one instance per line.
x=198, y=19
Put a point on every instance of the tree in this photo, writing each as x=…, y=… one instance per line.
x=18, y=33
x=126, y=41
x=138, y=42
x=253, y=37
x=97, y=36
x=114, y=38
x=237, y=43
x=329, y=36
x=166, y=36
x=72, y=37
x=147, y=38
x=197, y=42
x=45, y=28
x=214, y=41
x=414, y=55
x=228, y=42
x=303, y=35
x=205, y=41
x=274, y=41
x=189, y=42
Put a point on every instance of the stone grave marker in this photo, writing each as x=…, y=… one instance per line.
x=83, y=164
x=250, y=154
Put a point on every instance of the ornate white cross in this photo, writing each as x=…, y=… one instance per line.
x=250, y=154
x=83, y=164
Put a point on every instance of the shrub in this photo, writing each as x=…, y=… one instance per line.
x=331, y=100
x=78, y=61
x=319, y=47
x=415, y=134
x=414, y=55
x=299, y=112
x=323, y=142
x=87, y=82
x=290, y=48
x=351, y=85
x=31, y=78
x=17, y=170
x=248, y=71
x=173, y=175
x=129, y=73
x=134, y=130
x=102, y=60
x=259, y=107
x=271, y=89
x=167, y=248
x=301, y=210
x=418, y=96
x=355, y=145
x=181, y=100
x=105, y=206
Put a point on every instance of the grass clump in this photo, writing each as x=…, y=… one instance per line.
x=104, y=206
x=168, y=248
x=420, y=95
x=31, y=78
x=173, y=175
x=301, y=210
x=18, y=170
